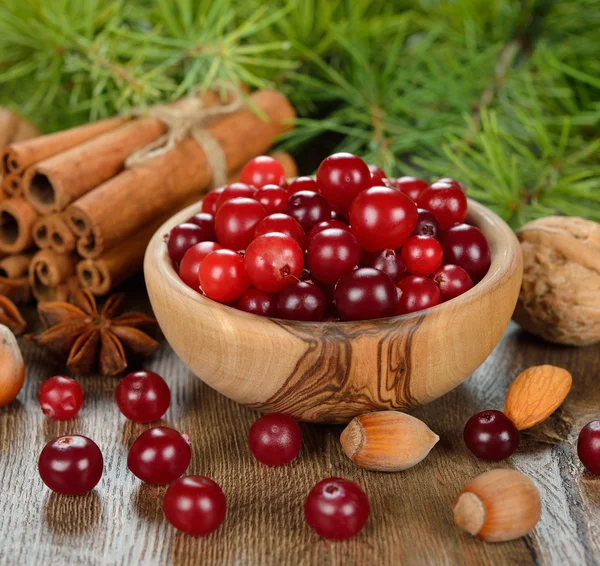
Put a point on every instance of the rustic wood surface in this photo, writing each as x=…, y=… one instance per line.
x=121, y=521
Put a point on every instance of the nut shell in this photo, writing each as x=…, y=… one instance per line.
x=560, y=293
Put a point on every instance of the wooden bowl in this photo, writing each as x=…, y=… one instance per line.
x=330, y=372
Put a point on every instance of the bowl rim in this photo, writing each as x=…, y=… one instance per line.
x=500, y=268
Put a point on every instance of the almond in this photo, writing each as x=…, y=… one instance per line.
x=387, y=441
x=536, y=394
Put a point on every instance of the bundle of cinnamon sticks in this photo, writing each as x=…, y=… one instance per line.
x=72, y=214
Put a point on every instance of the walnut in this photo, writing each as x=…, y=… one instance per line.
x=560, y=294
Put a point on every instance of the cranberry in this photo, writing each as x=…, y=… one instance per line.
x=236, y=221
x=452, y=281
x=143, y=396
x=281, y=223
x=417, y=293
x=71, y=465
x=382, y=218
x=190, y=264
x=308, y=209
x=422, y=255
x=332, y=253
x=235, y=190
x=273, y=261
x=336, y=508
x=341, y=177
x=181, y=239
x=467, y=247
x=273, y=198
x=378, y=176
x=325, y=225
x=159, y=456
x=258, y=302
x=588, y=447
x=60, y=398
x=491, y=435
x=301, y=301
x=263, y=170
x=209, y=203
x=302, y=184
x=366, y=293
x=388, y=261
x=275, y=439
x=195, y=505
x=452, y=182
x=427, y=224
x=447, y=202
x=223, y=276
x=411, y=187
x=206, y=222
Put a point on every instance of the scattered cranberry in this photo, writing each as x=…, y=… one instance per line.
x=235, y=190
x=427, y=224
x=71, y=465
x=273, y=198
x=411, y=187
x=467, y=247
x=452, y=281
x=446, y=201
x=326, y=224
x=302, y=301
x=195, y=505
x=382, y=218
x=332, y=253
x=452, y=182
x=258, y=302
x=190, y=264
x=60, y=398
x=263, y=170
x=491, y=435
x=181, y=239
x=378, y=176
x=275, y=439
x=417, y=293
x=159, y=456
x=388, y=261
x=209, y=203
x=336, y=508
x=273, y=261
x=588, y=447
x=422, y=255
x=143, y=396
x=308, y=209
x=282, y=223
x=302, y=184
x=223, y=276
x=366, y=293
x=236, y=221
x=206, y=222
x=341, y=177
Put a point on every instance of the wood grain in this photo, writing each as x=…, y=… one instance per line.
x=411, y=519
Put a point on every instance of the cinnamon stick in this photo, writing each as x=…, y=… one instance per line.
x=18, y=156
x=12, y=185
x=62, y=239
x=15, y=266
x=287, y=161
x=25, y=131
x=51, y=275
x=41, y=232
x=9, y=122
x=17, y=218
x=126, y=204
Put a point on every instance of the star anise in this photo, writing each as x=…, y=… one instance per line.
x=13, y=291
x=87, y=338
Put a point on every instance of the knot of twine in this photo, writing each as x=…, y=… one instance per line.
x=188, y=117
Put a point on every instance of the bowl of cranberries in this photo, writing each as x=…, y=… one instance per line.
x=330, y=296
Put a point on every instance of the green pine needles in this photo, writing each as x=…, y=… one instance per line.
x=501, y=94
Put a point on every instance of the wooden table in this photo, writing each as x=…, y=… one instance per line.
x=121, y=521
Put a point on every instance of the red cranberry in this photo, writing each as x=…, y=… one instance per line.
x=366, y=293
x=281, y=223
x=588, y=447
x=447, y=202
x=71, y=465
x=159, y=456
x=417, y=293
x=388, y=261
x=206, y=222
x=209, y=203
x=263, y=170
x=422, y=255
x=382, y=218
x=275, y=439
x=341, y=177
x=302, y=184
x=491, y=435
x=223, y=276
x=195, y=505
x=273, y=261
x=273, y=198
x=143, y=396
x=427, y=224
x=258, y=302
x=467, y=247
x=235, y=190
x=378, y=176
x=302, y=301
x=452, y=182
x=336, y=508
x=411, y=187
x=190, y=264
x=326, y=224
x=60, y=398
x=308, y=209
x=181, y=239
x=236, y=221
x=452, y=281
x=332, y=253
